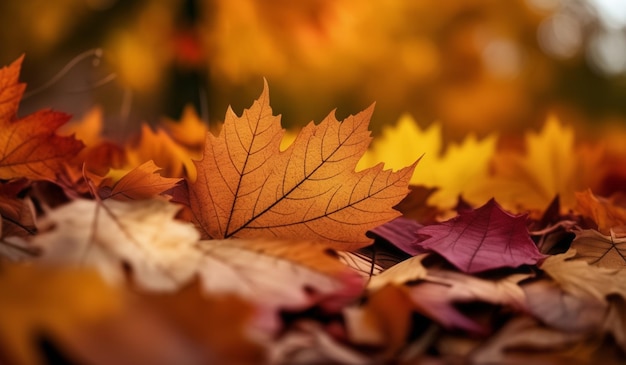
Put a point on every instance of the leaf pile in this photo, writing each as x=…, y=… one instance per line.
x=185, y=246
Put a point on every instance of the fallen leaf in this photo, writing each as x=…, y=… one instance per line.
x=51, y=301
x=17, y=214
x=460, y=171
x=290, y=275
x=552, y=164
x=144, y=234
x=157, y=145
x=607, y=215
x=440, y=291
x=483, y=239
x=142, y=182
x=408, y=270
x=579, y=278
x=402, y=233
x=600, y=250
x=189, y=132
x=29, y=146
x=247, y=187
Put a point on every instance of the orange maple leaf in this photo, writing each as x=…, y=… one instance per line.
x=29, y=146
x=247, y=187
x=142, y=182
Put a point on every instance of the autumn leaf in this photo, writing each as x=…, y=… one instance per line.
x=106, y=234
x=552, y=164
x=439, y=293
x=291, y=275
x=579, y=278
x=49, y=301
x=577, y=297
x=604, y=212
x=157, y=145
x=459, y=171
x=142, y=182
x=402, y=233
x=247, y=187
x=99, y=154
x=189, y=132
x=29, y=146
x=483, y=239
x=407, y=270
x=599, y=249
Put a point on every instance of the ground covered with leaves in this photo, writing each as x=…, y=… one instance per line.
x=253, y=245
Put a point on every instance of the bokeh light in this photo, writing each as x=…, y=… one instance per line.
x=475, y=66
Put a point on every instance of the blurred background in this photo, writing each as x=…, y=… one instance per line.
x=474, y=65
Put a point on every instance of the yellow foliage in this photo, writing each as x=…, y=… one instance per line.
x=551, y=165
x=461, y=170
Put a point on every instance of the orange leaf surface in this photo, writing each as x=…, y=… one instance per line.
x=604, y=212
x=247, y=187
x=29, y=146
x=142, y=182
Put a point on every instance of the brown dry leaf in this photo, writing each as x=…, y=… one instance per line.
x=247, y=187
x=408, y=270
x=437, y=295
x=142, y=182
x=291, y=275
x=599, y=249
x=607, y=215
x=53, y=301
x=578, y=278
x=105, y=234
x=29, y=146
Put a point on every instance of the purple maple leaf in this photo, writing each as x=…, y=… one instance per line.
x=483, y=239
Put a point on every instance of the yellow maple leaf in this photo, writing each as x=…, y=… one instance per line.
x=552, y=164
x=458, y=171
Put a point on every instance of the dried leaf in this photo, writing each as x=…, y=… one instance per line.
x=159, y=249
x=408, y=270
x=29, y=146
x=278, y=274
x=600, y=250
x=440, y=291
x=483, y=239
x=247, y=187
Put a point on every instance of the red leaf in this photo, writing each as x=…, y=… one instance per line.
x=483, y=239
x=29, y=146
